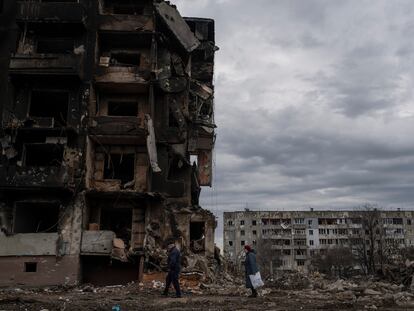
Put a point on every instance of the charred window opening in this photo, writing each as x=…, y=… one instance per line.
x=55, y=45
x=43, y=154
x=128, y=9
x=102, y=271
x=35, y=217
x=175, y=171
x=126, y=59
x=172, y=121
x=117, y=108
x=120, y=166
x=130, y=43
x=197, y=236
x=50, y=104
x=124, y=7
x=57, y=1
x=118, y=220
x=30, y=267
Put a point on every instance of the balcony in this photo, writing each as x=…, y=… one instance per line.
x=125, y=130
x=29, y=244
x=122, y=22
x=20, y=178
x=44, y=64
x=56, y=12
x=122, y=79
x=97, y=242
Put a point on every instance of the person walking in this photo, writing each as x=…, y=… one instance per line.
x=250, y=268
x=174, y=268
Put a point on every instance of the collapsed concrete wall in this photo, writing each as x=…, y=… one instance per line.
x=104, y=104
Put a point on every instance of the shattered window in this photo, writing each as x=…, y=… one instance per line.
x=36, y=217
x=43, y=155
x=50, y=104
x=120, y=166
x=52, y=45
x=122, y=109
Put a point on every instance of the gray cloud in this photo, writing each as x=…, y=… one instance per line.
x=314, y=103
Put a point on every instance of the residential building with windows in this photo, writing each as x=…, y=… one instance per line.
x=296, y=236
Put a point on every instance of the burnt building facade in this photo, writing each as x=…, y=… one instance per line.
x=107, y=137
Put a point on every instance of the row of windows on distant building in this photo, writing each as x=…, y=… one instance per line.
x=321, y=221
x=287, y=242
x=323, y=231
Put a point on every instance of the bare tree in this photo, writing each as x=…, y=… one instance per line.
x=337, y=261
x=371, y=245
x=267, y=258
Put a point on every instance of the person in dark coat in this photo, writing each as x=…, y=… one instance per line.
x=174, y=268
x=250, y=268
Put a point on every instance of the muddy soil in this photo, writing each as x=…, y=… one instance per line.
x=136, y=298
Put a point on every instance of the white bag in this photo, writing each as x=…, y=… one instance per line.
x=256, y=280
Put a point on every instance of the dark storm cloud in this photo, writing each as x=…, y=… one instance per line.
x=314, y=103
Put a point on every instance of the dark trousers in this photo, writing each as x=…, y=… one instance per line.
x=172, y=277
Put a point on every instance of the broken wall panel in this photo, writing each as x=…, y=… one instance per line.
x=45, y=270
x=205, y=165
x=178, y=26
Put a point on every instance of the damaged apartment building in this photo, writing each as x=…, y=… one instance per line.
x=107, y=137
x=295, y=237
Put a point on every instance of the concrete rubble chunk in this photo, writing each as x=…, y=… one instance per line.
x=178, y=26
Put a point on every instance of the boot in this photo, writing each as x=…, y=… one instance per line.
x=254, y=293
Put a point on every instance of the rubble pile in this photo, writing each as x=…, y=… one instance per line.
x=370, y=293
x=400, y=274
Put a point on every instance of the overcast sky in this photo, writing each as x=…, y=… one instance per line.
x=314, y=103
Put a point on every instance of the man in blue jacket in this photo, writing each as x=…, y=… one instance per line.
x=250, y=268
x=174, y=268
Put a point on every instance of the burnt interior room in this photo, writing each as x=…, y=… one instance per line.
x=71, y=1
x=197, y=230
x=124, y=49
x=122, y=108
x=42, y=154
x=120, y=166
x=59, y=39
x=103, y=271
x=35, y=217
x=177, y=169
x=50, y=104
x=54, y=45
x=118, y=220
x=127, y=7
x=125, y=58
x=197, y=235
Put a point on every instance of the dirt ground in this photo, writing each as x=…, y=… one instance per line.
x=137, y=298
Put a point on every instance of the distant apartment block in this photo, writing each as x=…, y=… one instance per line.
x=296, y=236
